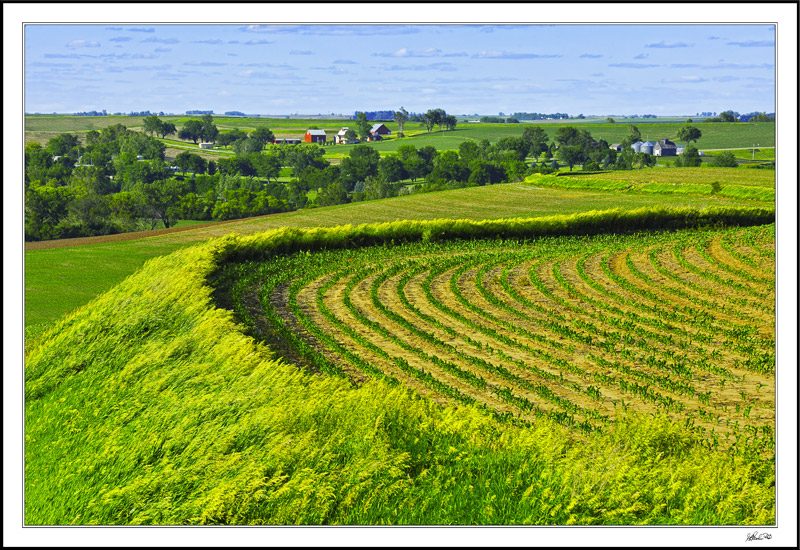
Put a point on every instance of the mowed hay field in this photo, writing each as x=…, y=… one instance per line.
x=525, y=371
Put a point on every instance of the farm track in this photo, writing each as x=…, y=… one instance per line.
x=577, y=330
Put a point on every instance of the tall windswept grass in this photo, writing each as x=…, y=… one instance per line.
x=151, y=406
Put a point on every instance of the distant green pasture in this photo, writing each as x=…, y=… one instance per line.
x=716, y=135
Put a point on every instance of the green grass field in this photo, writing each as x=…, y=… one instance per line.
x=60, y=279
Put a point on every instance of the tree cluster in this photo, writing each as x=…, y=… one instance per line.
x=118, y=180
x=195, y=130
x=539, y=116
x=499, y=120
x=438, y=117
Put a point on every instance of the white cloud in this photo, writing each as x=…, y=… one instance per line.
x=753, y=43
x=496, y=54
x=665, y=44
x=83, y=44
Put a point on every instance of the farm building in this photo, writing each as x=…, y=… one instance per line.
x=637, y=147
x=339, y=138
x=379, y=130
x=206, y=145
x=616, y=147
x=647, y=147
x=665, y=148
x=374, y=137
x=287, y=141
x=315, y=136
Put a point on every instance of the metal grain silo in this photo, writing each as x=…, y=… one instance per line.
x=647, y=147
x=637, y=147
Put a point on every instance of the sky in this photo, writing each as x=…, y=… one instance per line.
x=594, y=69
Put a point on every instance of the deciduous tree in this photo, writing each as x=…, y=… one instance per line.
x=401, y=117
x=192, y=130
x=689, y=134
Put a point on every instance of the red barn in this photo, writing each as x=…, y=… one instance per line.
x=315, y=136
x=379, y=130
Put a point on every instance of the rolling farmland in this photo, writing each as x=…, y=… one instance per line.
x=716, y=135
x=62, y=275
x=599, y=368
x=590, y=349
x=572, y=329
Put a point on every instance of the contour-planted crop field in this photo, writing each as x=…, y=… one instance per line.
x=610, y=367
x=575, y=329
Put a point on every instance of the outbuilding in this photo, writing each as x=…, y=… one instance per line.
x=315, y=136
x=637, y=147
x=616, y=147
x=647, y=147
x=665, y=148
x=379, y=130
x=206, y=145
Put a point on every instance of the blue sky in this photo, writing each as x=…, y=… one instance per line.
x=464, y=69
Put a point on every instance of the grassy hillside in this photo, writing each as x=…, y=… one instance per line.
x=58, y=280
x=150, y=406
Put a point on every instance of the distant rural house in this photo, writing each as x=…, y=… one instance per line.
x=339, y=138
x=616, y=147
x=206, y=145
x=315, y=136
x=379, y=130
x=665, y=148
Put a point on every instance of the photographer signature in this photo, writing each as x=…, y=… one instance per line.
x=757, y=536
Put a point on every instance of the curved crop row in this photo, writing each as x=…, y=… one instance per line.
x=569, y=328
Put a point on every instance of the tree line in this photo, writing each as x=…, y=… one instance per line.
x=119, y=180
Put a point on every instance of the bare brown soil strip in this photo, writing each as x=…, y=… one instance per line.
x=441, y=291
x=582, y=350
x=720, y=312
x=334, y=300
x=670, y=291
x=754, y=297
x=387, y=294
x=722, y=393
x=702, y=286
x=763, y=274
x=752, y=290
x=361, y=299
x=727, y=357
